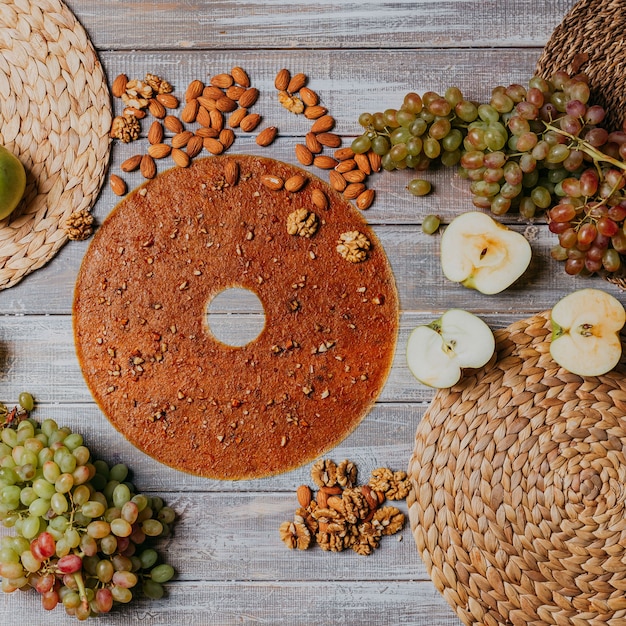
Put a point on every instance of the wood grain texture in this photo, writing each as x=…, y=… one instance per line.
x=232, y=567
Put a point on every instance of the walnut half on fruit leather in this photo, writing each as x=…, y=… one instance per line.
x=175, y=391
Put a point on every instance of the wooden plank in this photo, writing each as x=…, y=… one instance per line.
x=293, y=603
x=251, y=25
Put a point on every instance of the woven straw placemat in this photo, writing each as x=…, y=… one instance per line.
x=519, y=477
x=55, y=115
x=591, y=38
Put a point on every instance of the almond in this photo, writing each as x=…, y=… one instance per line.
x=155, y=132
x=370, y=497
x=222, y=81
x=194, y=146
x=117, y=185
x=190, y=111
x=213, y=92
x=309, y=97
x=281, y=82
x=250, y=122
x=266, y=136
x=363, y=163
x=319, y=199
x=231, y=172
x=214, y=146
x=324, y=162
x=227, y=138
x=131, y=164
x=353, y=191
x=249, y=97
x=315, y=112
x=365, y=199
x=235, y=92
x=138, y=113
x=118, y=88
x=345, y=166
x=323, y=124
x=156, y=108
x=180, y=140
x=342, y=154
x=207, y=131
x=217, y=119
x=296, y=83
x=330, y=140
x=203, y=117
x=168, y=100
x=194, y=89
x=375, y=160
x=336, y=503
x=312, y=143
x=303, y=154
x=295, y=183
x=240, y=76
x=236, y=116
x=225, y=104
x=355, y=176
x=322, y=499
x=304, y=495
x=159, y=150
x=208, y=103
x=173, y=124
x=275, y=183
x=337, y=181
x=335, y=490
x=147, y=166
x=180, y=157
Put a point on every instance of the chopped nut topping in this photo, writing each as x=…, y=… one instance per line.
x=353, y=246
x=126, y=128
x=291, y=103
x=302, y=222
x=79, y=225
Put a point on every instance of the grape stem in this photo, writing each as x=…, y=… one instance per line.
x=82, y=592
x=587, y=148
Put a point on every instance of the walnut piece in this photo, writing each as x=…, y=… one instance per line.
x=380, y=479
x=157, y=84
x=79, y=225
x=126, y=128
x=388, y=519
x=137, y=94
x=291, y=103
x=302, y=222
x=346, y=472
x=399, y=487
x=324, y=473
x=353, y=246
x=295, y=534
x=355, y=506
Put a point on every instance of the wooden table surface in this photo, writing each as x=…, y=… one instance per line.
x=231, y=566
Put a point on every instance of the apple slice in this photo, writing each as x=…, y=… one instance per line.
x=437, y=353
x=12, y=182
x=585, y=332
x=482, y=254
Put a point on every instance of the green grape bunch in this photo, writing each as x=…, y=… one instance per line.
x=81, y=531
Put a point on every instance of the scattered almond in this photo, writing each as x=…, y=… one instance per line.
x=295, y=183
x=212, y=92
x=131, y=164
x=267, y=136
x=275, y=183
x=296, y=83
x=335, y=503
x=315, y=112
x=180, y=157
x=281, y=82
x=250, y=122
x=190, y=111
x=203, y=117
x=117, y=185
x=323, y=124
x=155, y=132
x=304, y=495
x=231, y=172
x=217, y=119
x=173, y=124
x=354, y=176
x=322, y=499
x=303, y=154
x=375, y=161
x=330, y=140
x=208, y=103
x=147, y=166
x=225, y=104
x=345, y=166
x=214, y=146
x=365, y=199
x=309, y=97
x=180, y=140
x=159, y=150
x=118, y=88
x=222, y=81
x=249, y=97
x=235, y=92
x=240, y=76
x=194, y=89
x=363, y=163
x=236, y=116
x=226, y=138
x=207, y=131
x=324, y=162
x=194, y=146
x=341, y=154
x=353, y=191
x=168, y=100
x=156, y=108
x=337, y=181
x=312, y=143
x=319, y=199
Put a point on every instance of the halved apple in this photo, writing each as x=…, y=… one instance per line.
x=437, y=353
x=482, y=254
x=585, y=332
x=12, y=182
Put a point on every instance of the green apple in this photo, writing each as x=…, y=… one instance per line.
x=438, y=352
x=585, y=332
x=482, y=254
x=12, y=182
